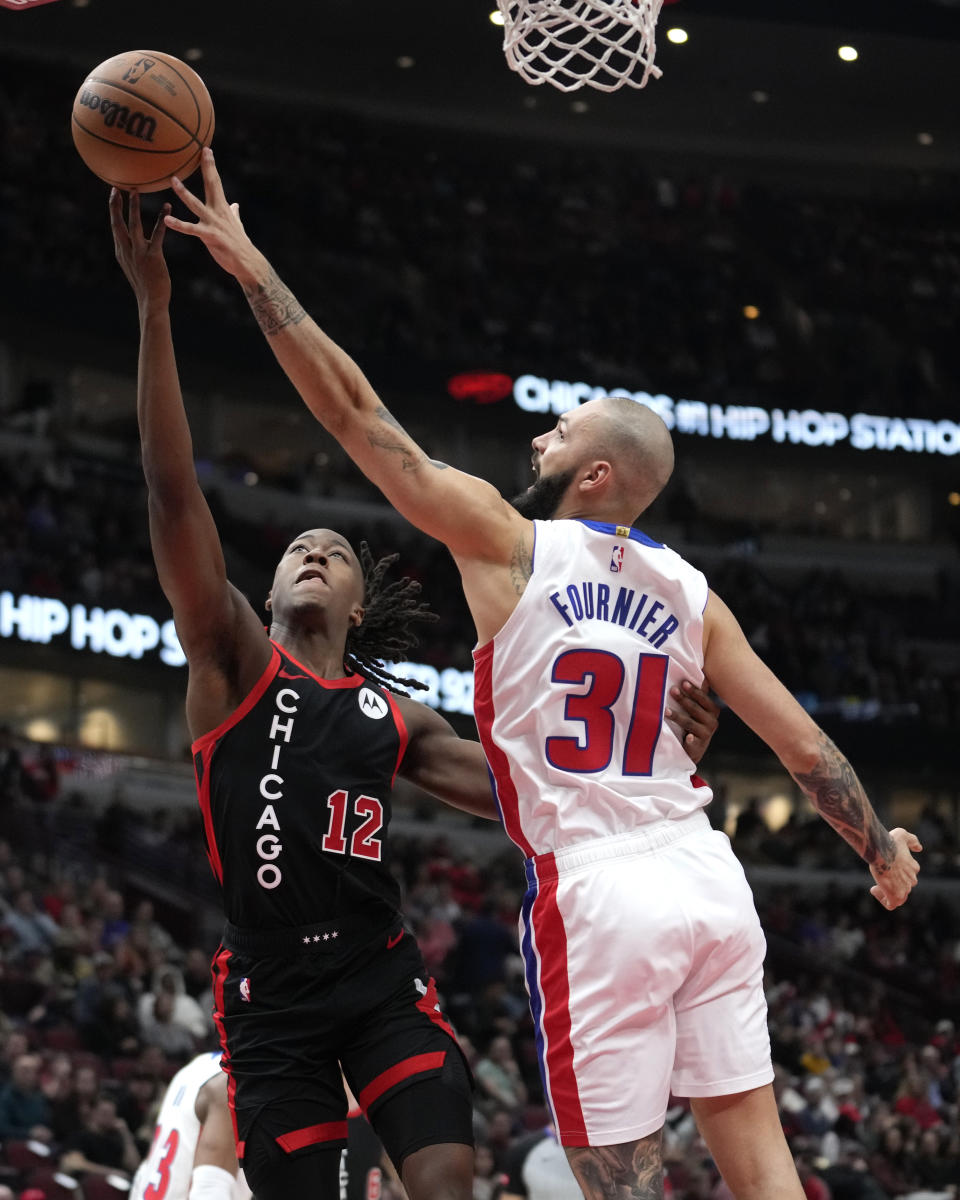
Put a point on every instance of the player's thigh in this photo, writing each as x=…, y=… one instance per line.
x=723, y=1044
x=405, y=1067
x=605, y=949
x=275, y=1172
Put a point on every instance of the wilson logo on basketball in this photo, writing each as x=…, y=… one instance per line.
x=135, y=124
x=139, y=69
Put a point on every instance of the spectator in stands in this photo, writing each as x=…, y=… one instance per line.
x=185, y=1011
x=116, y=927
x=33, y=930
x=24, y=1109
x=103, y=1146
x=498, y=1077
x=160, y=1029
x=71, y=1109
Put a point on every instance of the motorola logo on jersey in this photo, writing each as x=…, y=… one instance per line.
x=372, y=705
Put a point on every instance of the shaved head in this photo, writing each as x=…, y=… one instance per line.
x=637, y=443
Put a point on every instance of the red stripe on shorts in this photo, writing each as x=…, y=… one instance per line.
x=398, y=1073
x=221, y=968
x=310, y=1135
x=551, y=945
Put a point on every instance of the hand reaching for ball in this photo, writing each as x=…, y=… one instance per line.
x=218, y=225
x=140, y=257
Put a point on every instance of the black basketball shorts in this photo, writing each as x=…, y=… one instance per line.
x=294, y=1006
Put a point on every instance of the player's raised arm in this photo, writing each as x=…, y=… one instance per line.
x=466, y=513
x=821, y=771
x=212, y=618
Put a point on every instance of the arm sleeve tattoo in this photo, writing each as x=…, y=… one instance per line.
x=838, y=796
x=274, y=305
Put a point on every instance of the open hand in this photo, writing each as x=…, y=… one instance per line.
x=140, y=257
x=218, y=223
x=697, y=716
x=895, y=883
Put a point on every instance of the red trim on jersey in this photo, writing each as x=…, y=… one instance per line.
x=310, y=1135
x=398, y=1073
x=221, y=969
x=204, y=746
x=698, y=782
x=208, y=739
x=506, y=791
x=429, y=1004
x=348, y=681
x=401, y=731
x=550, y=938
x=206, y=811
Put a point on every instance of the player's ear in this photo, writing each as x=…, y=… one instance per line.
x=356, y=615
x=268, y=603
x=596, y=474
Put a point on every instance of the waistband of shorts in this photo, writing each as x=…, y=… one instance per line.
x=645, y=840
x=347, y=933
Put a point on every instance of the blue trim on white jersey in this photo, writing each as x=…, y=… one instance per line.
x=635, y=535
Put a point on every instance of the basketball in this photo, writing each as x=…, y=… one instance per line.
x=141, y=117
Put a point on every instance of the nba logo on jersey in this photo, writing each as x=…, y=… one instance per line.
x=245, y=988
x=616, y=559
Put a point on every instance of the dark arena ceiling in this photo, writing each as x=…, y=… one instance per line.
x=757, y=79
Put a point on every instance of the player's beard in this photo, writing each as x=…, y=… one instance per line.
x=541, y=501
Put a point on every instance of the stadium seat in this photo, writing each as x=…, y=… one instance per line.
x=55, y=1184
x=26, y=1156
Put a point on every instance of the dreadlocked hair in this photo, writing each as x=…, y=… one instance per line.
x=389, y=611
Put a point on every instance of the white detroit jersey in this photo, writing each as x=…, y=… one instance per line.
x=570, y=694
x=166, y=1171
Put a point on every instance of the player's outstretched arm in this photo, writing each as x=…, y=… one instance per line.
x=821, y=771
x=466, y=513
x=452, y=768
x=186, y=547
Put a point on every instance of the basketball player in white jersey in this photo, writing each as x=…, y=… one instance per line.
x=192, y=1155
x=643, y=951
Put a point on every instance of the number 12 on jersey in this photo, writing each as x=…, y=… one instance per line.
x=605, y=674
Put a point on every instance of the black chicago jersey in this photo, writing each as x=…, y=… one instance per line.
x=295, y=789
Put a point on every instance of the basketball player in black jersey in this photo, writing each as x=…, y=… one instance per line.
x=297, y=745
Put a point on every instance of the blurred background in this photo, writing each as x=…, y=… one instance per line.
x=764, y=245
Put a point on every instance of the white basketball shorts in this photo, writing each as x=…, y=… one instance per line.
x=644, y=965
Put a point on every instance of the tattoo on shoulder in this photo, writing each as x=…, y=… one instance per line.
x=521, y=567
x=632, y=1170
x=274, y=305
x=837, y=794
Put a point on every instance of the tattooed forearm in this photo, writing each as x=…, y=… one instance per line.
x=838, y=796
x=521, y=567
x=631, y=1171
x=274, y=305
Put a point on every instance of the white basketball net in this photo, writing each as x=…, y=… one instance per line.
x=572, y=44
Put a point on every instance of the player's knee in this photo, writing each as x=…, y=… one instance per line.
x=442, y=1172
